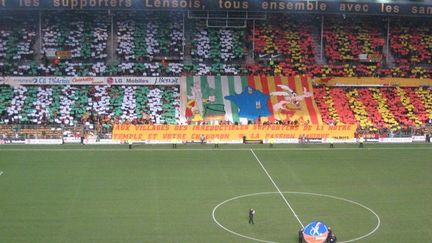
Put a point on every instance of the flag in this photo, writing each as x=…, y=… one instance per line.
x=289, y=98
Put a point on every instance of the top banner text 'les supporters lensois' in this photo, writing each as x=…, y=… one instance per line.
x=293, y=6
x=228, y=132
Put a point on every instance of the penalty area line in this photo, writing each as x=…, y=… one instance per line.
x=277, y=188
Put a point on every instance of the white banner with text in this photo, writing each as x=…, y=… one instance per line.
x=15, y=81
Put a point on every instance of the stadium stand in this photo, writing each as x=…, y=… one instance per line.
x=104, y=105
x=17, y=37
x=411, y=42
x=284, y=44
x=334, y=106
x=374, y=108
x=217, y=51
x=347, y=38
x=83, y=40
x=145, y=38
x=160, y=44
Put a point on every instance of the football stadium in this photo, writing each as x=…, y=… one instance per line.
x=215, y=121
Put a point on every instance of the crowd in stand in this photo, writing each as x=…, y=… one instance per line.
x=287, y=40
x=16, y=43
x=141, y=40
x=98, y=105
x=158, y=44
x=375, y=109
x=217, y=51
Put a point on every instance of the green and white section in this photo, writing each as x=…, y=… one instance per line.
x=208, y=92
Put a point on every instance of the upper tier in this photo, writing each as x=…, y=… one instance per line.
x=171, y=44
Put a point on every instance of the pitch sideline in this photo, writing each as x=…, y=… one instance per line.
x=204, y=149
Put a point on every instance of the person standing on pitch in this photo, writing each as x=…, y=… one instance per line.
x=331, y=142
x=300, y=236
x=251, y=216
x=361, y=141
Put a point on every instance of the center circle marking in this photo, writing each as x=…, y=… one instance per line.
x=301, y=193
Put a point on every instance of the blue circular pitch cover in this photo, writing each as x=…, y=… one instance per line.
x=315, y=232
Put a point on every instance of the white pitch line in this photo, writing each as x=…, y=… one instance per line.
x=208, y=149
x=277, y=188
x=1, y=173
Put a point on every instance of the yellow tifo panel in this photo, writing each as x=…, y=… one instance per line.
x=371, y=81
x=177, y=133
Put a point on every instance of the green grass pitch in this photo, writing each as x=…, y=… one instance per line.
x=73, y=193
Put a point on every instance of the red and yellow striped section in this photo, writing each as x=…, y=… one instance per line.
x=406, y=102
x=426, y=97
x=307, y=111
